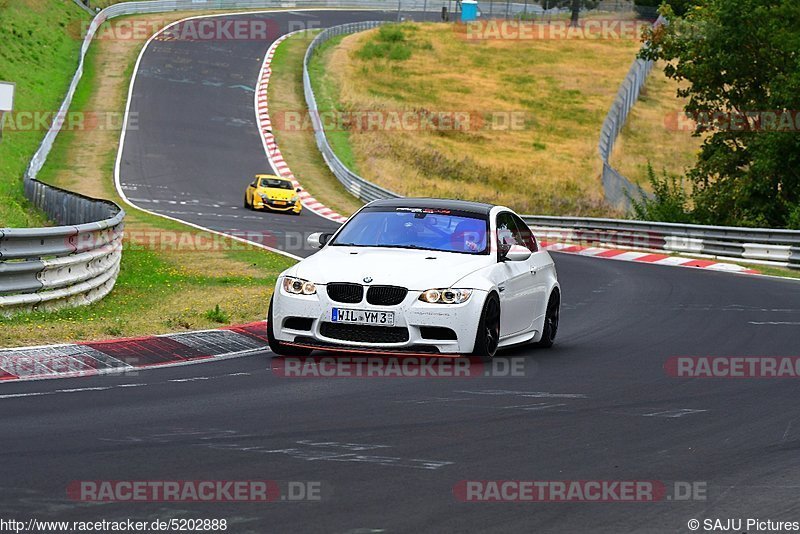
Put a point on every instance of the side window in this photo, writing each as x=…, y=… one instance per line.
x=507, y=233
x=526, y=235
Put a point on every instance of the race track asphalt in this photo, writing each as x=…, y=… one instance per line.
x=193, y=143
x=388, y=452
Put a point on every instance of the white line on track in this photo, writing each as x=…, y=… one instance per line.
x=42, y=393
x=526, y=394
x=120, y=386
x=193, y=379
x=123, y=132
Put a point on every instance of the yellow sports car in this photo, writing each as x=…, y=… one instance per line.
x=274, y=193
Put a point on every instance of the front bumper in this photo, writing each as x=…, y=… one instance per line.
x=412, y=315
x=259, y=203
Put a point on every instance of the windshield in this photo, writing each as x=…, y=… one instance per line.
x=415, y=228
x=276, y=184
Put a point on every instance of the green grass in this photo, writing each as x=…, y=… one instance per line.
x=80, y=103
x=147, y=280
x=39, y=52
x=326, y=91
x=157, y=291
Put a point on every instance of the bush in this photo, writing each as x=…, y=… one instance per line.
x=649, y=8
x=399, y=53
x=793, y=222
x=670, y=203
x=391, y=43
x=217, y=315
x=391, y=34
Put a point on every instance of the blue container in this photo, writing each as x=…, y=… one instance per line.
x=469, y=10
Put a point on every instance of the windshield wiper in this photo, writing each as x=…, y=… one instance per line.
x=412, y=247
x=409, y=247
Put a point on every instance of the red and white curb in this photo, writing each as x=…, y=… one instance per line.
x=128, y=355
x=646, y=257
x=270, y=144
x=124, y=356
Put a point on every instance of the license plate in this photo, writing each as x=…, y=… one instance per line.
x=279, y=202
x=376, y=318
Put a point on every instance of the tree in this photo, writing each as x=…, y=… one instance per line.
x=574, y=6
x=739, y=65
x=650, y=7
x=576, y=12
x=669, y=202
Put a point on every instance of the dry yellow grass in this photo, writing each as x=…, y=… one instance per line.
x=564, y=89
x=652, y=133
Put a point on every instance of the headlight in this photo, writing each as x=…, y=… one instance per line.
x=294, y=199
x=298, y=286
x=264, y=197
x=445, y=296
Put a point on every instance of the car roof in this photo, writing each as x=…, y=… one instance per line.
x=434, y=203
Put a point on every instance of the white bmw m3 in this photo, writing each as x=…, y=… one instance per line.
x=419, y=276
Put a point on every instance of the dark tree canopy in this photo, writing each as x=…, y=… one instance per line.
x=679, y=7
x=740, y=63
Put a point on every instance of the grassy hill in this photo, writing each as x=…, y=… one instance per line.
x=560, y=89
x=41, y=45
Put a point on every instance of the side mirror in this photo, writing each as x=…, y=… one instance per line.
x=298, y=189
x=517, y=253
x=318, y=239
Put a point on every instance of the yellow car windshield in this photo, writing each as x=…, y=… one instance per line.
x=273, y=183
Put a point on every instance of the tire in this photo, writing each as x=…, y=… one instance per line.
x=551, y=318
x=276, y=346
x=487, y=337
x=246, y=205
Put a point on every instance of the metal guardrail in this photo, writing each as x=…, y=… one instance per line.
x=69, y=265
x=769, y=246
x=85, y=7
x=759, y=245
x=355, y=184
x=619, y=190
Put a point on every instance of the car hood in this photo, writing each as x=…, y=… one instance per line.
x=277, y=194
x=414, y=269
